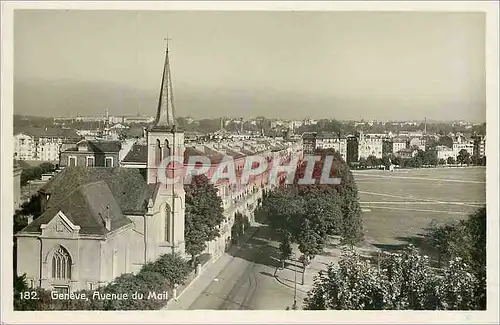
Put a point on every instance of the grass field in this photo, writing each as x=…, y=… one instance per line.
x=398, y=206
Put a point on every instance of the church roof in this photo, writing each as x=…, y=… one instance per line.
x=165, y=116
x=137, y=154
x=128, y=185
x=85, y=206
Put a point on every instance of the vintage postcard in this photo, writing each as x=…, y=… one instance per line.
x=249, y=162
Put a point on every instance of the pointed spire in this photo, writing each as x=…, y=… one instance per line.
x=165, y=118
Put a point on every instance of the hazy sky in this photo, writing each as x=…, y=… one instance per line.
x=344, y=65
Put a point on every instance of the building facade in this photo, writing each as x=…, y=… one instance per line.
x=92, y=154
x=17, y=185
x=480, y=146
x=444, y=152
x=24, y=146
x=313, y=141
x=43, y=144
x=399, y=144
x=369, y=146
x=460, y=142
x=332, y=141
x=418, y=143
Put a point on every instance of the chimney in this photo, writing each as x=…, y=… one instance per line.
x=29, y=218
x=107, y=219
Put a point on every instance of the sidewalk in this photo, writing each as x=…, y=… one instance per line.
x=293, y=269
x=320, y=263
x=207, y=275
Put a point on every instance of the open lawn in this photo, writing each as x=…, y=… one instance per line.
x=398, y=206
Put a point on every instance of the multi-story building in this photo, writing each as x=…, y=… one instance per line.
x=444, y=152
x=369, y=146
x=407, y=153
x=313, y=141
x=418, y=143
x=309, y=142
x=479, y=146
x=332, y=141
x=137, y=119
x=24, y=146
x=17, y=185
x=92, y=154
x=399, y=144
x=460, y=142
x=48, y=151
x=42, y=143
x=352, y=149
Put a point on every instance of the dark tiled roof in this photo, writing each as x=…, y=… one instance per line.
x=48, y=132
x=138, y=154
x=99, y=146
x=234, y=154
x=278, y=148
x=128, y=185
x=86, y=207
x=214, y=156
x=248, y=152
x=309, y=135
x=135, y=131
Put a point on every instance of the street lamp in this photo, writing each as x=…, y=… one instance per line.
x=294, y=307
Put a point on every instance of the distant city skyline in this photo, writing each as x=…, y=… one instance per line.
x=342, y=65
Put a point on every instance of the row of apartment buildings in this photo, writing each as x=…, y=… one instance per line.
x=133, y=119
x=43, y=144
x=353, y=148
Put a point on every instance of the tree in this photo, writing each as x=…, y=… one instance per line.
x=386, y=161
x=465, y=240
x=397, y=160
x=476, y=160
x=240, y=224
x=450, y=161
x=363, y=162
x=306, y=214
x=371, y=161
x=172, y=267
x=442, y=161
x=464, y=157
x=445, y=141
x=204, y=214
x=403, y=282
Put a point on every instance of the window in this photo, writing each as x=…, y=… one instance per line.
x=71, y=161
x=61, y=289
x=61, y=264
x=108, y=162
x=59, y=227
x=90, y=161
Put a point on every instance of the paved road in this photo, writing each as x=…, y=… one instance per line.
x=248, y=280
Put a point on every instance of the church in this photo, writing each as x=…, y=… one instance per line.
x=100, y=222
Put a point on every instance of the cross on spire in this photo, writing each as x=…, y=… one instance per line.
x=166, y=39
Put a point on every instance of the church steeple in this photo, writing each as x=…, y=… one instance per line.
x=165, y=116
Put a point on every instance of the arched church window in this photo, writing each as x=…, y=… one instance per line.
x=158, y=152
x=166, y=150
x=61, y=264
